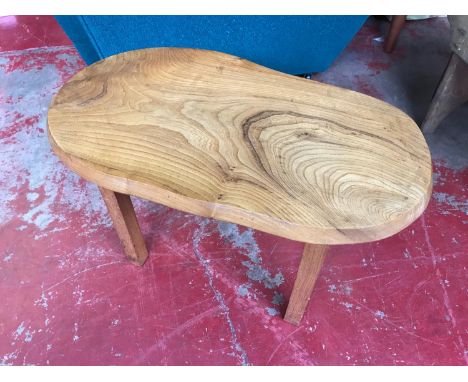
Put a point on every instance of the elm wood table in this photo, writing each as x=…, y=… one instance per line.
x=218, y=136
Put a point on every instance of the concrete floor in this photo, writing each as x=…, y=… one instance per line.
x=212, y=293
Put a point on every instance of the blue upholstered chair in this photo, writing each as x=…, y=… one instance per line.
x=291, y=44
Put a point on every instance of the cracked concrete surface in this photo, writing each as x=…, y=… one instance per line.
x=212, y=293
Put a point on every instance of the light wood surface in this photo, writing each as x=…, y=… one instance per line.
x=219, y=136
x=126, y=224
x=309, y=269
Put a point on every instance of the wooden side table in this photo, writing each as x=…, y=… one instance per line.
x=218, y=136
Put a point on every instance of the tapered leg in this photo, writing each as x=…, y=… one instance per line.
x=451, y=93
x=125, y=222
x=395, y=28
x=309, y=268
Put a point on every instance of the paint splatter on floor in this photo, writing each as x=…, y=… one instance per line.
x=213, y=293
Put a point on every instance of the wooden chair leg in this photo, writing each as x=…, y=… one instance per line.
x=451, y=93
x=395, y=28
x=309, y=268
x=126, y=224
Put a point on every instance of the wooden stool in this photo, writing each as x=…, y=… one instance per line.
x=218, y=136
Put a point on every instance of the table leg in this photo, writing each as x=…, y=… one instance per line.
x=309, y=268
x=395, y=28
x=451, y=93
x=126, y=224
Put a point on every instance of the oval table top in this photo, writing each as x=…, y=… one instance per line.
x=218, y=136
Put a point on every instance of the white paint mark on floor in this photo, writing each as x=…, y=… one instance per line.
x=76, y=337
x=380, y=314
x=8, y=257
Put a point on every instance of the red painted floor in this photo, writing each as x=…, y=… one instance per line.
x=212, y=293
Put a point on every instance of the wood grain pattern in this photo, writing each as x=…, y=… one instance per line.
x=219, y=136
x=309, y=269
x=126, y=224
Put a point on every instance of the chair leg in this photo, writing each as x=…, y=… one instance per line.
x=395, y=28
x=451, y=93
x=309, y=268
x=125, y=222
